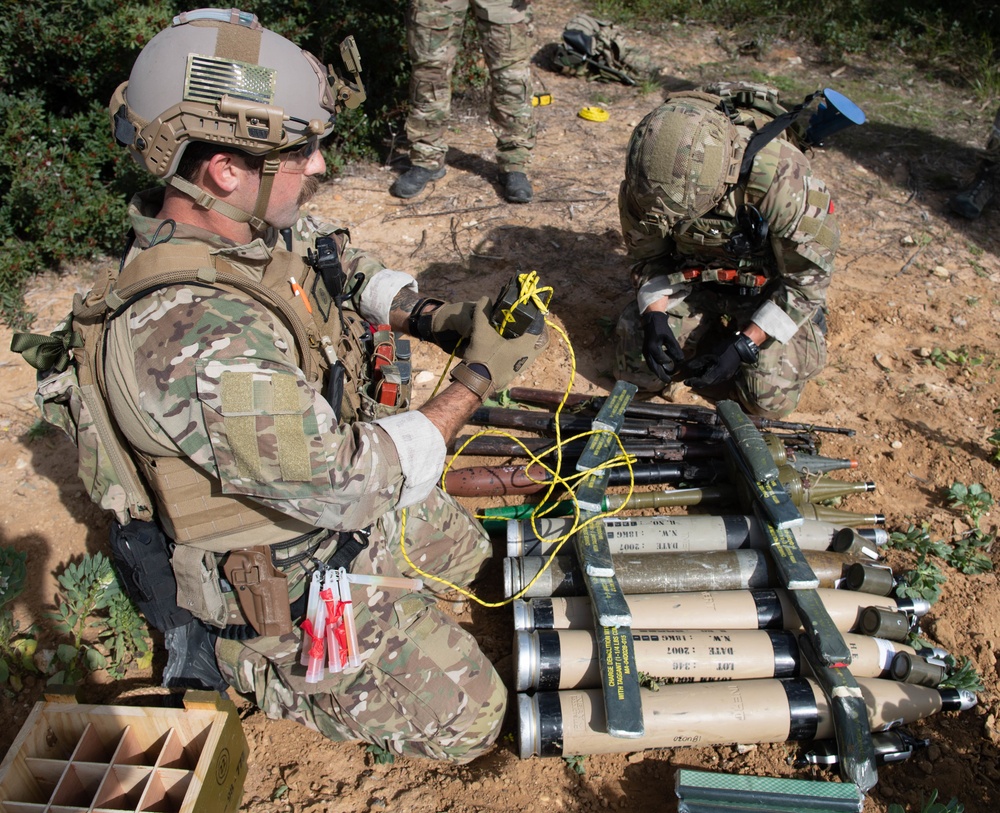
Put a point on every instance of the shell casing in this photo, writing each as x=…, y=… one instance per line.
x=867, y=578
x=684, y=534
x=568, y=659
x=565, y=723
x=710, y=610
x=665, y=572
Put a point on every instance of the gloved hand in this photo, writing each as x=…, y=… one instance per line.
x=718, y=368
x=446, y=325
x=659, y=345
x=491, y=361
x=452, y=324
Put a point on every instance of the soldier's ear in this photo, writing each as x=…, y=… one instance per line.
x=225, y=171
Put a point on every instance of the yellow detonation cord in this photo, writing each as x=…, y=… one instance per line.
x=530, y=291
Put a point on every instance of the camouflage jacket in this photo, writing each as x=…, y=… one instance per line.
x=804, y=237
x=212, y=375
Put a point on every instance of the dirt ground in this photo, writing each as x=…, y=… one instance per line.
x=910, y=278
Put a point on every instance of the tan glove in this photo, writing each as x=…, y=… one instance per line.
x=452, y=324
x=491, y=361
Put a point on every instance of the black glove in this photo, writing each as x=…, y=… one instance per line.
x=659, y=347
x=719, y=368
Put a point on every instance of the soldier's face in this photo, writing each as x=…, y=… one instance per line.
x=296, y=182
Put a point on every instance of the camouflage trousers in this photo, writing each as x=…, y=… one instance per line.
x=423, y=688
x=992, y=155
x=771, y=388
x=434, y=36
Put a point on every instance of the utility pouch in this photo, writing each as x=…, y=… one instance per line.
x=141, y=555
x=261, y=589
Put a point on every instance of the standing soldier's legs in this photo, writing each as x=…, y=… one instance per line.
x=971, y=201
x=773, y=387
x=424, y=687
x=506, y=34
x=434, y=35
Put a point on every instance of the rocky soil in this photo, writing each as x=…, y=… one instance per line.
x=911, y=280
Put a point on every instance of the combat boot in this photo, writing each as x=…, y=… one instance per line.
x=516, y=187
x=413, y=181
x=970, y=202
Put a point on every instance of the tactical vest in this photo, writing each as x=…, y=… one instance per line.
x=113, y=441
x=701, y=243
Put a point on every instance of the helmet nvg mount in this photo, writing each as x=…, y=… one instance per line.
x=218, y=76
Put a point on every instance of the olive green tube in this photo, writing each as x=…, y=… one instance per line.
x=803, y=489
x=688, y=533
x=494, y=519
x=710, y=610
x=572, y=722
x=568, y=659
x=666, y=572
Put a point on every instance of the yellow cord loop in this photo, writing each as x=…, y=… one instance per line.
x=531, y=291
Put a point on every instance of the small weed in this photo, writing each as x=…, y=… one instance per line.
x=994, y=441
x=918, y=540
x=577, y=764
x=974, y=500
x=972, y=301
x=962, y=675
x=961, y=357
x=923, y=581
x=969, y=554
x=91, y=598
x=932, y=806
x=381, y=755
x=17, y=647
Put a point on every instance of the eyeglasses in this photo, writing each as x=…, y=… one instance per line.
x=304, y=150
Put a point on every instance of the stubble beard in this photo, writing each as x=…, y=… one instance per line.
x=310, y=186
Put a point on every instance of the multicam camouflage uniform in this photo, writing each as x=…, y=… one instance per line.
x=797, y=261
x=214, y=377
x=434, y=35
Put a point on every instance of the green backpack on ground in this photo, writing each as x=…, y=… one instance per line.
x=595, y=48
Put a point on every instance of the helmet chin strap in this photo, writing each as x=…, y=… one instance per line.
x=272, y=164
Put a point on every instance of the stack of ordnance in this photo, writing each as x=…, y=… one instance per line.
x=758, y=624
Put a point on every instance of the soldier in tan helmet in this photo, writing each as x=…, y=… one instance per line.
x=252, y=425
x=732, y=240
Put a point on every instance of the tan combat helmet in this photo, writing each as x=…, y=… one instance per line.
x=682, y=158
x=218, y=76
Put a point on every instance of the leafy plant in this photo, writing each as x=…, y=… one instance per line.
x=381, y=755
x=17, y=648
x=91, y=598
x=961, y=357
x=923, y=581
x=577, y=763
x=125, y=636
x=969, y=552
x=974, y=500
x=932, y=806
x=962, y=675
x=918, y=539
x=994, y=441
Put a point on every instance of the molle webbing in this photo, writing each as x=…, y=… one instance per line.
x=195, y=511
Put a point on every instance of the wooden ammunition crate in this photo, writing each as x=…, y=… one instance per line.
x=72, y=758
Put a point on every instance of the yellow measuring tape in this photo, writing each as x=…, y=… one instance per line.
x=594, y=114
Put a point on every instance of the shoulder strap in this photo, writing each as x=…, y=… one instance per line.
x=169, y=264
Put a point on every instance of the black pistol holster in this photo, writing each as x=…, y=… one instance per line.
x=140, y=552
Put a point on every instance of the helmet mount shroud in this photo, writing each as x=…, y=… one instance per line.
x=217, y=76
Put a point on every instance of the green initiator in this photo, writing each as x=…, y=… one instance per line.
x=822, y=644
x=620, y=680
